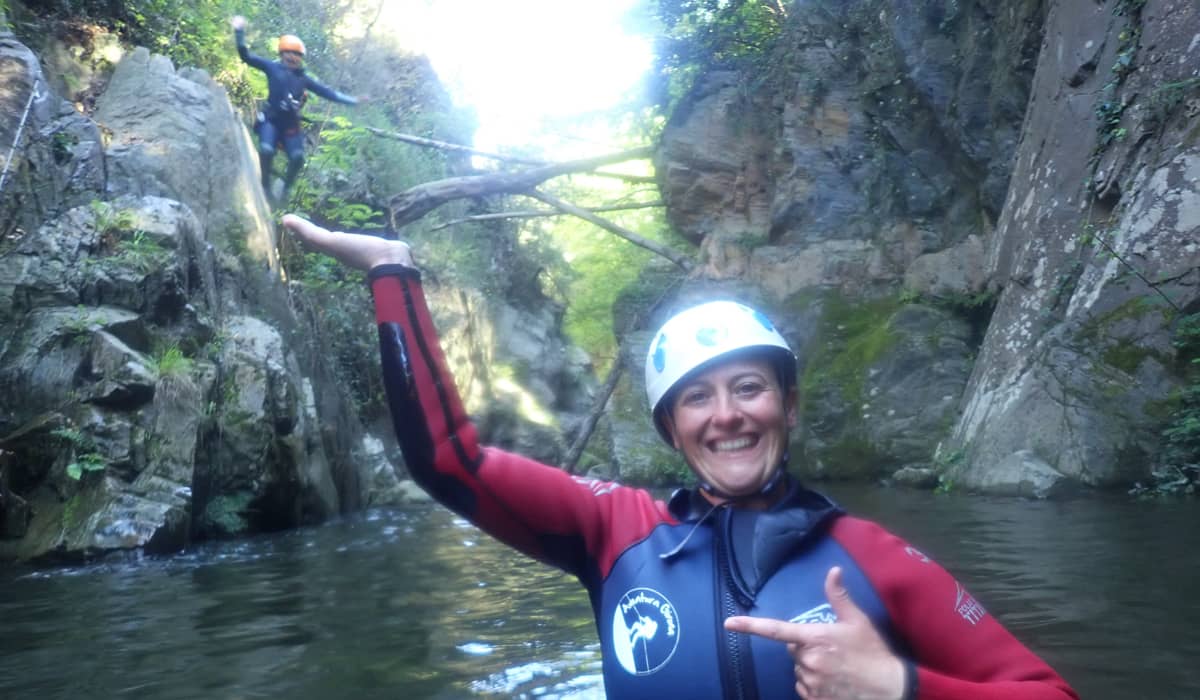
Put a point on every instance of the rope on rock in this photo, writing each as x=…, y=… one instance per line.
x=33, y=94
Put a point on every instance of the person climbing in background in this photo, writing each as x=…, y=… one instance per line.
x=287, y=90
x=749, y=585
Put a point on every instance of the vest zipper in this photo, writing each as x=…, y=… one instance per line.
x=737, y=666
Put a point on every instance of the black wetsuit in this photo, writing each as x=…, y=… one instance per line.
x=286, y=92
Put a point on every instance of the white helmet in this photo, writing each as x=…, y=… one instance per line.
x=702, y=333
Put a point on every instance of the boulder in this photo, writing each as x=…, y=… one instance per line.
x=1021, y=473
x=263, y=456
x=923, y=478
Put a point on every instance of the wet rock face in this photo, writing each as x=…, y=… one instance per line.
x=1099, y=239
x=57, y=160
x=524, y=385
x=148, y=393
x=861, y=170
x=159, y=382
x=904, y=151
x=175, y=135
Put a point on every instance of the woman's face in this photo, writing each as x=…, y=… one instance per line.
x=731, y=423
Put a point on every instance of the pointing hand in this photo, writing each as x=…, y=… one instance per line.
x=845, y=660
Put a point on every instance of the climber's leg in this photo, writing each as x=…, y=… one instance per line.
x=294, y=145
x=267, y=135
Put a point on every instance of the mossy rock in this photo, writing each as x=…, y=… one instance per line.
x=852, y=336
x=227, y=515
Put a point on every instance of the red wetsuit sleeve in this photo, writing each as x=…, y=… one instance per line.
x=960, y=651
x=580, y=525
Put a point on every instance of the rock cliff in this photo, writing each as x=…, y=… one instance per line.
x=977, y=224
x=161, y=380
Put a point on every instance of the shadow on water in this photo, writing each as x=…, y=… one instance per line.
x=418, y=604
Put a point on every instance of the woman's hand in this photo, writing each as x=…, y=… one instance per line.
x=238, y=22
x=843, y=660
x=356, y=250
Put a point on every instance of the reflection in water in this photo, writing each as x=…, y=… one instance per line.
x=418, y=604
x=1102, y=589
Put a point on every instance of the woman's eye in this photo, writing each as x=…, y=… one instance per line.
x=694, y=397
x=748, y=389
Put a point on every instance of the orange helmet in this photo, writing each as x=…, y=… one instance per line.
x=291, y=42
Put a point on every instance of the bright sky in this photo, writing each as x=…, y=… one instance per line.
x=519, y=62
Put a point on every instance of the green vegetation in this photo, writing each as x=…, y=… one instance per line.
x=139, y=252
x=694, y=37
x=342, y=150
x=1110, y=108
x=974, y=307
x=130, y=246
x=108, y=219
x=597, y=272
x=73, y=438
x=227, y=515
x=61, y=144
x=87, y=458
x=1177, y=471
x=854, y=456
x=1097, y=328
x=339, y=304
x=1120, y=351
x=943, y=463
x=82, y=322
x=198, y=33
x=351, y=172
x=1125, y=355
x=86, y=462
x=1167, y=97
x=170, y=362
x=672, y=472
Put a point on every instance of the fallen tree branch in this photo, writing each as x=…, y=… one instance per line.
x=532, y=214
x=588, y=426
x=446, y=146
x=684, y=262
x=634, y=179
x=416, y=202
x=458, y=148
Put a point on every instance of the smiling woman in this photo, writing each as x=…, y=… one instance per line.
x=694, y=597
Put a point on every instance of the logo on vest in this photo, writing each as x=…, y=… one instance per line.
x=822, y=614
x=645, y=631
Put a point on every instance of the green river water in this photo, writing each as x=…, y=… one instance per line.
x=416, y=603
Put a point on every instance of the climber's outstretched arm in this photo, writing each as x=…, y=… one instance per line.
x=356, y=250
x=239, y=32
